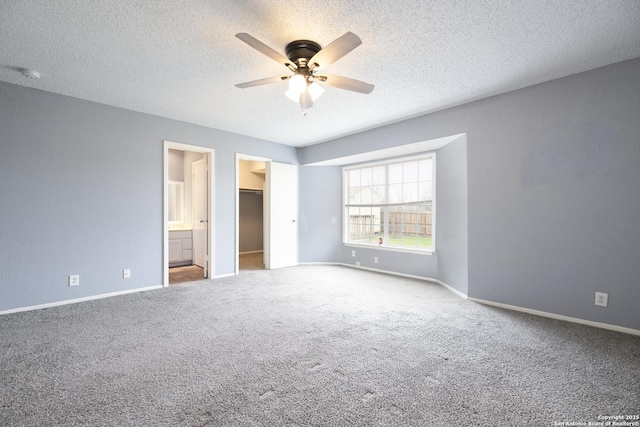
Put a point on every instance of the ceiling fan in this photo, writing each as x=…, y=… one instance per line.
x=305, y=59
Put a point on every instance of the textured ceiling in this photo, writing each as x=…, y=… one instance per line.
x=180, y=59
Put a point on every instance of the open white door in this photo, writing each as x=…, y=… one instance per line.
x=208, y=199
x=200, y=214
x=281, y=209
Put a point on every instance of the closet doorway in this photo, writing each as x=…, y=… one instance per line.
x=279, y=195
x=251, y=213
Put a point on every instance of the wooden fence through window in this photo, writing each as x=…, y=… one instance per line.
x=365, y=227
x=416, y=223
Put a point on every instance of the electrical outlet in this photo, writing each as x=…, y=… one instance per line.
x=126, y=273
x=602, y=299
x=357, y=263
x=375, y=259
x=74, y=280
x=353, y=253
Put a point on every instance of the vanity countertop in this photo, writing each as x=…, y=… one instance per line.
x=181, y=227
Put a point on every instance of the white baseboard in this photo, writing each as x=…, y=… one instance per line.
x=392, y=273
x=411, y=276
x=320, y=263
x=454, y=290
x=558, y=316
x=495, y=304
x=76, y=300
x=250, y=252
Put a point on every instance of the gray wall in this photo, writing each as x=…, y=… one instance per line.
x=321, y=240
x=553, y=191
x=321, y=228
x=81, y=193
x=451, y=215
x=552, y=195
x=398, y=262
x=320, y=201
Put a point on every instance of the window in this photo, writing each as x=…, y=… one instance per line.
x=391, y=204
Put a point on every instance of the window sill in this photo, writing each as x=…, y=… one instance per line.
x=389, y=248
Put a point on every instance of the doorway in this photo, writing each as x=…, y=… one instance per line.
x=188, y=230
x=250, y=218
x=274, y=188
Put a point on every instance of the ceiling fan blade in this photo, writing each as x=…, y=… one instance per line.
x=261, y=82
x=345, y=83
x=266, y=50
x=306, y=101
x=335, y=50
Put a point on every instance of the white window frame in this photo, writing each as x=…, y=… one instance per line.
x=345, y=204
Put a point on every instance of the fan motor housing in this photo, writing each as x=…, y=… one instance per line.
x=301, y=49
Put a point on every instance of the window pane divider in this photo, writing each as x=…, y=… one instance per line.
x=380, y=205
x=372, y=220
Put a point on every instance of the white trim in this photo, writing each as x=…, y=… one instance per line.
x=76, y=300
x=495, y=304
x=251, y=252
x=388, y=153
x=386, y=163
x=392, y=273
x=321, y=263
x=222, y=276
x=434, y=204
x=236, y=250
x=558, y=316
x=455, y=291
x=388, y=248
x=165, y=218
x=389, y=161
x=194, y=221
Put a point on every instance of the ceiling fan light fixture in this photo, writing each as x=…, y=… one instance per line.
x=303, y=58
x=297, y=83
x=293, y=95
x=315, y=90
